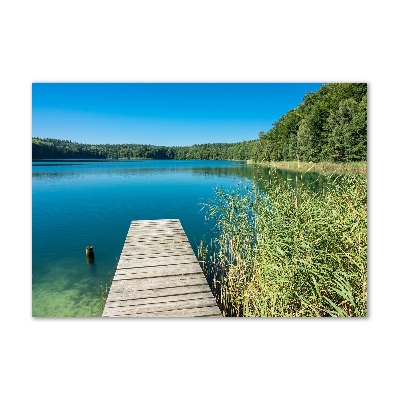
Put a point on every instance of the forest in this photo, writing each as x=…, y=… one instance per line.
x=328, y=125
x=55, y=148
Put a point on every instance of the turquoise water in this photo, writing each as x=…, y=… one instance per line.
x=76, y=203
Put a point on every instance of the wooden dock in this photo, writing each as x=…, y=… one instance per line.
x=158, y=275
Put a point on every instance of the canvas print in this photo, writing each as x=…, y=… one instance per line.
x=199, y=199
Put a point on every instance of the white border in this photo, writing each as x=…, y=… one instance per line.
x=222, y=41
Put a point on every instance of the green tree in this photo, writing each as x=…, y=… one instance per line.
x=348, y=131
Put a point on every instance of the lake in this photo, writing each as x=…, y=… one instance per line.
x=76, y=203
x=79, y=203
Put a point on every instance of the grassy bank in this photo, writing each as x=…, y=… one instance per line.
x=291, y=252
x=325, y=167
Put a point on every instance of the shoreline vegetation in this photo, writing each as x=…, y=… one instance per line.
x=290, y=251
x=359, y=167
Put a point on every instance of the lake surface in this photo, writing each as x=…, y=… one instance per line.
x=76, y=203
x=79, y=203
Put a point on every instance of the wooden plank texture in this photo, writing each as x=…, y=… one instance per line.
x=158, y=275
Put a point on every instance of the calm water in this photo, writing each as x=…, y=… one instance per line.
x=76, y=203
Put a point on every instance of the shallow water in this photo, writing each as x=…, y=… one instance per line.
x=76, y=203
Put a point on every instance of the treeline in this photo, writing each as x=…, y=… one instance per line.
x=55, y=148
x=329, y=125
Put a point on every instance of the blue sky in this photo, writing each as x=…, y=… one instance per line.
x=168, y=114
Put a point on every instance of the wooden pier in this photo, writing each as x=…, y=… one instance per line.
x=158, y=275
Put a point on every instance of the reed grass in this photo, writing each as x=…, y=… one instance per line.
x=290, y=251
x=356, y=167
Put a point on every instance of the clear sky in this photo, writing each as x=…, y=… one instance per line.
x=168, y=114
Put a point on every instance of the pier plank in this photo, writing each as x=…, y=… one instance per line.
x=157, y=292
x=158, y=282
x=155, y=271
x=158, y=299
x=191, y=312
x=154, y=262
x=158, y=275
x=185, y=304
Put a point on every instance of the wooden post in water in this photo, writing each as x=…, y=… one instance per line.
x=89, y=255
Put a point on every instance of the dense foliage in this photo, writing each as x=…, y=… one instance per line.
x=329, y=125
x=292, y=250
x=54, y=148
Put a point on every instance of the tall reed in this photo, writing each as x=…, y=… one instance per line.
x=290, y=250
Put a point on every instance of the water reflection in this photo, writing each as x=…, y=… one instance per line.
x=92, y=268
x=139, y=169
x=262, y=175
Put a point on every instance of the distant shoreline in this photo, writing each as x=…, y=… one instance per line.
x=328, y=167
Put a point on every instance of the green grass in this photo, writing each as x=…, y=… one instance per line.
x=291, y=252
x=324, y=167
